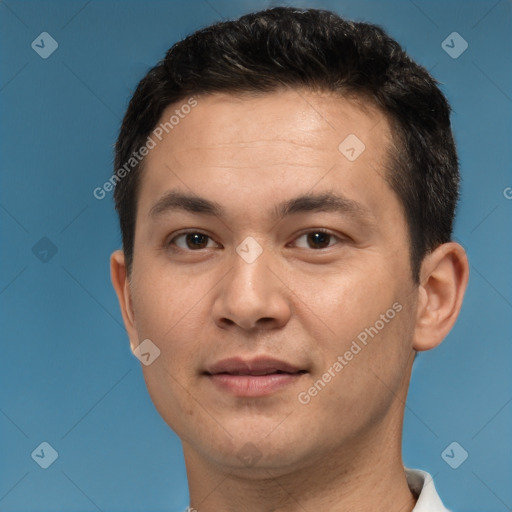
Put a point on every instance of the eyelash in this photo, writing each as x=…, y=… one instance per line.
x=190, y=232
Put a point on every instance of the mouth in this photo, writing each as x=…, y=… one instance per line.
x=257, y=373
x=252, y=378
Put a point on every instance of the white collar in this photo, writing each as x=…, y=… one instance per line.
x=422, y=484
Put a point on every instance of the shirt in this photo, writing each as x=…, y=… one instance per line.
x=422, y=485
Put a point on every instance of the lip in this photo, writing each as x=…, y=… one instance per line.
x=239, y=365
x=253, y=377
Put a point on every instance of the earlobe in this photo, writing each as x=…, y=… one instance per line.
x=120, y=282
x=444, y=278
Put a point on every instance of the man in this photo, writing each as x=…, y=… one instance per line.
x=286, y=186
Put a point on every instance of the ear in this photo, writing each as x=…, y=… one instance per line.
x=443, y=280
x=121, y=283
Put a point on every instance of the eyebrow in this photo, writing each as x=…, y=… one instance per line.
x=321, y=202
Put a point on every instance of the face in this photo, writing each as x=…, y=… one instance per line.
x=279, y=295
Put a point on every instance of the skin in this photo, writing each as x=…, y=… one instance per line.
x=300, y=302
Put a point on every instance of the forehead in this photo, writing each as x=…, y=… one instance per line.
x=259, y=142
x=298, y=116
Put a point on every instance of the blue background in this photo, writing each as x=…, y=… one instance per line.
x=67, y=374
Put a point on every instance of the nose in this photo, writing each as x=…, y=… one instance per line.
x=252, y=295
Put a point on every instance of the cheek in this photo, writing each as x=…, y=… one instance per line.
x=366, y=319
x=169, y=317
x=167, y=390
x=168, y=312
x=348, y=300
x=363, y=367
x=162, y=299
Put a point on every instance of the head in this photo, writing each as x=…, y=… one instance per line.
x=273, y=125
x=318, y=50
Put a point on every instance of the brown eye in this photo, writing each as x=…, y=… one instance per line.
x=318, y=239
x=193, y=240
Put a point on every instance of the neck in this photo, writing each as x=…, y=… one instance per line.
x=363, y=474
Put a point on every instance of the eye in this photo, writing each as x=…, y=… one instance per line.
x=318, y=238
x=193, y=240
